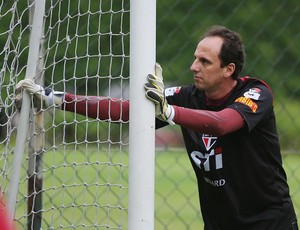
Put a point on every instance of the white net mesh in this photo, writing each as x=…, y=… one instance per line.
x=74, y=170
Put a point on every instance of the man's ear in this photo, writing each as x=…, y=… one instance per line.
x=229, y=69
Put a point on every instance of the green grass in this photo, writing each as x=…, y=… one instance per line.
x=291, y=163
x=288, y=122
x=186, y=215
x=85, y=189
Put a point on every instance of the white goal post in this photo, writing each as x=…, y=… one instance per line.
x=62, y=170
x=23, y=123
x=142, y=116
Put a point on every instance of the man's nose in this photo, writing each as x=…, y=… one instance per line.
x=193, y=66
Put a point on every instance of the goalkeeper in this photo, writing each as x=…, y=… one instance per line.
x=228, y=125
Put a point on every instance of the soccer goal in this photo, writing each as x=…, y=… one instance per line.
x=61, y=170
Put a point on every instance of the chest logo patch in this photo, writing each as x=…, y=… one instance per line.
x=208, y=141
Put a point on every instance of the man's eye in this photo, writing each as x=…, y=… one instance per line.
x=204, y=61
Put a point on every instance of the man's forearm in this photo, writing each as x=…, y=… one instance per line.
x=97, y=107
x=209, y=122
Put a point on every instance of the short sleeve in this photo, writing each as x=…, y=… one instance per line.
x=255, y=104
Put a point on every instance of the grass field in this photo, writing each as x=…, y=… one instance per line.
x=83, y=191
x=184, y=212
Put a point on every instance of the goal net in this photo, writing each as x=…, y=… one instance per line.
x=74, y=170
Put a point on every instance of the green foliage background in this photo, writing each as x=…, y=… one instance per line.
x=82, y=64
x=271, y=38
x=88, y=53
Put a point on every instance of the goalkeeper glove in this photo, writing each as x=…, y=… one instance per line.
x=155, y=92
x=41, y=98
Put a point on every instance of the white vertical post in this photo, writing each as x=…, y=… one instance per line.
x=33, y=55
x=142, y=116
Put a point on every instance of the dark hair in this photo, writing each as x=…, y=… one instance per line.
x=232, y=50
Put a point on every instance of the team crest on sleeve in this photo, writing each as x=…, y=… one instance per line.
x=253, y=93
x=172, y=90
x=248, y=97
x=248, y=102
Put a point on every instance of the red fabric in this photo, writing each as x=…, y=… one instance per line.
x=98, y=107
x=209, y=122
x=5, y=223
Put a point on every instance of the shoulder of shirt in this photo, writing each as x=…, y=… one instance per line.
x=252, y=80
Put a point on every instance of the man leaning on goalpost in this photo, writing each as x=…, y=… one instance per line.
x=228, y=125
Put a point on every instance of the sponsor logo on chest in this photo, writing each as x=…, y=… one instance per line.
x=209, y=160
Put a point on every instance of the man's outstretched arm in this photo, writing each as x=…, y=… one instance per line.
x=92, y=106
x=204, y=121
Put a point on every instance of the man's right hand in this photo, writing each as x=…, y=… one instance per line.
x=42, y=98
x=155, y=92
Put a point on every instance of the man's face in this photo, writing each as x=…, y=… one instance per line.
x=208, y=73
